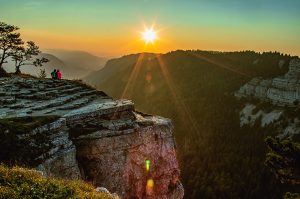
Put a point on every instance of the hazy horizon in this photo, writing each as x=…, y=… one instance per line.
x=113, y=28
x=51, y=50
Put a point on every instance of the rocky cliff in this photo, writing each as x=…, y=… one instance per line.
x=284, y=90
x=67, y=129
x=273, y=102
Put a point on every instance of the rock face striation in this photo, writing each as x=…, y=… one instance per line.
x=92, y=136
x=283, y=90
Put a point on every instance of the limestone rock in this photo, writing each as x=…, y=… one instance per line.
x=283, y=90
x=96, y=138
x=118, y=162
x=102, y=190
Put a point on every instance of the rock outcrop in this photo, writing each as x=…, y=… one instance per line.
x=94, y=137
x=277, y=103
x=283, y=90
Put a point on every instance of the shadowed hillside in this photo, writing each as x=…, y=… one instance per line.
x=113, y=67
x=219, y=159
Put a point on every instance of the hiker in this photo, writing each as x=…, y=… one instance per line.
x=53, y=74
x=58, y=74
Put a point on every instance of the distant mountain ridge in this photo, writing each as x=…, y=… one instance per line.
x=114, y=66
x=79, y=59
x=244, y=63
x=73, y=64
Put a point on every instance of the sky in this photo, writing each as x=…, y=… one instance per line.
x=113, y=27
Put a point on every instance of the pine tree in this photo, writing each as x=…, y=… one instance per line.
x=10, y=41
x=284, y=161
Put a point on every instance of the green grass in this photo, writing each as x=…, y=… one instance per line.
x=19, y=182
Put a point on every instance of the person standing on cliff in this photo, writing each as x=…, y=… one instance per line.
x=58, y=74
x=53, y=74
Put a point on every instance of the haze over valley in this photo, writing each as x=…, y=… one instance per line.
x=73, y=64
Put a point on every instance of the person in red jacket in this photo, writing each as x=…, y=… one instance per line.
x=58, y=74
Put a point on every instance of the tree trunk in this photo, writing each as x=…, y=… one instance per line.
x=3, y=73
x=18, y=71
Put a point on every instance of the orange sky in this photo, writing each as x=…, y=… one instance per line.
x=113, y=28
x=128, y=43
x=104, y=45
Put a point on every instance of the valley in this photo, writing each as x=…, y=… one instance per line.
x=196, y=89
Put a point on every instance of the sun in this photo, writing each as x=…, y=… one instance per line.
x=149, y=35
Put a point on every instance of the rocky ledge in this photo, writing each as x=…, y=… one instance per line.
x=68, y=129
x=273, y=103
x=284, y=90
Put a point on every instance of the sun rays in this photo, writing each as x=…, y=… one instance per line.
x=127, y=92
x=149, y=35
x=180, y=106
x=176, y=97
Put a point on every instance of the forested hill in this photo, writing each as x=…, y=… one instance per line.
x=219, y=159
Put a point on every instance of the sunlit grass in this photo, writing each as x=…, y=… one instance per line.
x=19, y=182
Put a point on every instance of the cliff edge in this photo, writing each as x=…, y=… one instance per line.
x=70, y=130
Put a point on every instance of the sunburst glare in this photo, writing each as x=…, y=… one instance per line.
x=149, y=35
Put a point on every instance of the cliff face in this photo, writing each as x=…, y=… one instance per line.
x=283, y=90
x=277, y=101
x=94, y=137
x=121, y=160
x=60, y=160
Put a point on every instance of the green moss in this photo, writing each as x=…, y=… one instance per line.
x=20, y=125
x=18, y=182
x=14, y=150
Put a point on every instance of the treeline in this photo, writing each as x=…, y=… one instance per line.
x=265, y=64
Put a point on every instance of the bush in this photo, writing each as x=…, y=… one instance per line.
x=42, y=74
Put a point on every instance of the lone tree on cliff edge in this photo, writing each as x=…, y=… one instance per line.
x=24, y=56
x=11, y=45
x=10, y=41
